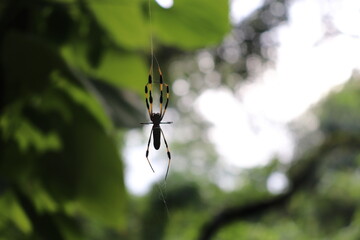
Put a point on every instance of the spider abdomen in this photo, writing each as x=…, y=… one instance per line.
x=156, y=136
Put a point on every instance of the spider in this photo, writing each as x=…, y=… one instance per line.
x=156, y=118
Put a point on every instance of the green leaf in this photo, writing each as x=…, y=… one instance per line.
x=192, y=24
x=122, y=69
x=79, y=96
x=17, y=127
x=123, y=107
x=27, y=134
x=42, y=68
x=42, y=200
x=100, y=192
x=10, y=210
x=87, y=176
x=123, y=21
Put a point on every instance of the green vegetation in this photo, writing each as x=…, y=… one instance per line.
x=72, y=74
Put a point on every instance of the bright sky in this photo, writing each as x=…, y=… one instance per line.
x=307, y=68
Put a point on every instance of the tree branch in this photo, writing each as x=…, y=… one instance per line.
x=302, y=173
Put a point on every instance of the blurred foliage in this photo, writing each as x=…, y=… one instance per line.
x=322, y=200
x=71, y=75
x=242, y=55
x=339, y=111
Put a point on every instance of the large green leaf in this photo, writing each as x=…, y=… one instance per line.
x=122, y=69
x=123, y=21
x=87, y=173
x=191, y=24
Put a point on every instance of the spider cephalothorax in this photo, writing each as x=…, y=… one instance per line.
x=155, y=118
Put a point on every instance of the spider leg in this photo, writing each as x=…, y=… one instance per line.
x=168, y=153
x=161, y=90
x=147, y=151
x=148, y=95
x=162, y=113
x=162, y=84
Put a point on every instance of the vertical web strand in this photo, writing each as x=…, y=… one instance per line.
x=152, y=41
x=161, y=191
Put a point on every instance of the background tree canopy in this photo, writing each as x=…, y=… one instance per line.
x=72, y=74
